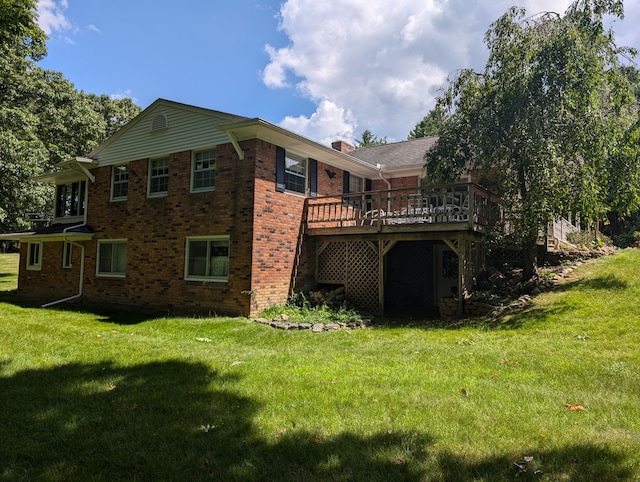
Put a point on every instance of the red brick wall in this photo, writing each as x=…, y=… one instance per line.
x=52, y=282
x=156, y=230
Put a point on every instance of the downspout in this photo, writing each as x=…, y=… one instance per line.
x=380, y=166
x=81, y=246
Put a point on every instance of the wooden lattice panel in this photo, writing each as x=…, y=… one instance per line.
x=363, y=275
x=332, y=263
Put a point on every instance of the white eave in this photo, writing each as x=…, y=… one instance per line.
x=299, y=145
x=71, y=170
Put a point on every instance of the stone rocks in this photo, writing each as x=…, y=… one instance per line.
x=282, y=322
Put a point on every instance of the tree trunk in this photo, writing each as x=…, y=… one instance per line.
x=529, y=259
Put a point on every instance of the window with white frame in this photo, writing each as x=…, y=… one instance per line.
x=34, y=256
x=203, y=170
x=67, y=255
x=158, y=177
x=295, y=174
x=112, y=258
x=70, y=200
x=119, y=182
x=207, y=258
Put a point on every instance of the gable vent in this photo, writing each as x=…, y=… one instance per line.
x=159, y=122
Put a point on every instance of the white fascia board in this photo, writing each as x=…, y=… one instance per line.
x=295, y=143
x=33, y=237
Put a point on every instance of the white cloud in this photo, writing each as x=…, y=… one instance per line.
x=51, y=16
x=373, y=64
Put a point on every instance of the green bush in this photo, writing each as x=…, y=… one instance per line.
x=300, y=309
x=588, y=239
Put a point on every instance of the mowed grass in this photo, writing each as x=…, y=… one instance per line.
x=114, y=396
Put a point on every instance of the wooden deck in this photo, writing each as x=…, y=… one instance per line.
x=434, y=208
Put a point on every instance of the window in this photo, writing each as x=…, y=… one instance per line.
x=112, y=258
x=120, y=182
x=207, y=258
x=67, y=255
x=356, y=184
x=158, y=177
x=292, y=173
x=295, y=175
x=203, y=170
x=70, y=199
x=34, y=256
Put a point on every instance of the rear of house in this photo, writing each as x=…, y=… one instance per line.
x=192, y=210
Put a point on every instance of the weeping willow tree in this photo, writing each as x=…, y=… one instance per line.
x=551, y=120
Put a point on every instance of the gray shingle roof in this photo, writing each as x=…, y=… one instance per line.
x=397, y=154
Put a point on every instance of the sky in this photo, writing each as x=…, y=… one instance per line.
x=327, y=70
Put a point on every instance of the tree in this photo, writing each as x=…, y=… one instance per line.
x=367, y=139
x=430, y=125
x=550, y=120
x=43, y=118
x=114, y=112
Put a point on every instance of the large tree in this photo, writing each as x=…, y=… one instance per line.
x=550, y=120
x=43, y=118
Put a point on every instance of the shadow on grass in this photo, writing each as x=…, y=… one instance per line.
x=182, y=421
x=108, y=314
x=609, y=282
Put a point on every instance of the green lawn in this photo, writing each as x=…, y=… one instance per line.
x=108, y=396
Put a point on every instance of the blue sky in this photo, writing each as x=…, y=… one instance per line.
x=327, y=70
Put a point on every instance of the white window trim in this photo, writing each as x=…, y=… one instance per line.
x=113, y=179
x=160, y=193
x=305, y=161
x=38, y=265
x=218, y=279
x=100, y=274
x=193, y=171
x=67, y=255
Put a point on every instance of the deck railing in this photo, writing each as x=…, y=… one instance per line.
x=467, y=204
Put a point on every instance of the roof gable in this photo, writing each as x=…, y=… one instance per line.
x=162, y=128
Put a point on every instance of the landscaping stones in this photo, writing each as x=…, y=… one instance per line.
x=282, y=322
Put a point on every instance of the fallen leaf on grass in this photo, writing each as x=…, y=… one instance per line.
x=464, y=392
x=574, y=407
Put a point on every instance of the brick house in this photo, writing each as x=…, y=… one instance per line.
x=191, y=210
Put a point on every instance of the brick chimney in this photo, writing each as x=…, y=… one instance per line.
x=342, y=146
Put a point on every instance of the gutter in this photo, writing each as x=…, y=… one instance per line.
x=81, y=246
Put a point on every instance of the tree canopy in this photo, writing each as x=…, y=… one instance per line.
x=43, y=118
x=430, y=125
x=551, y=120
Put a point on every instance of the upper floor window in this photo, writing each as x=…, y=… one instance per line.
x=295, y=174
x=203, y=170
x=158, y=177
x=356, y=183
x=34, y=256
x=120, y=182
x=70, y=199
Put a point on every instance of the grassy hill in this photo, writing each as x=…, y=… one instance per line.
x=547, y=394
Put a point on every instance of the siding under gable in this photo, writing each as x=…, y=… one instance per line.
x=188, y=128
